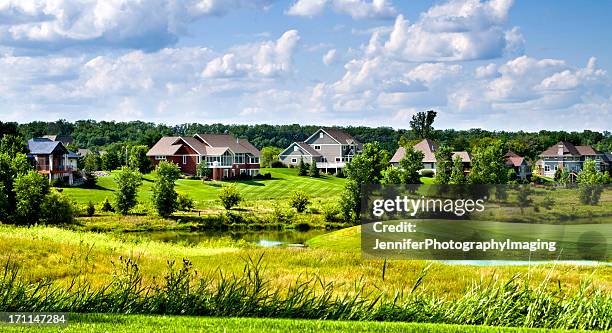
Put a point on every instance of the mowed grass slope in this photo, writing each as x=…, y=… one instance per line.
x=283, y=183
x=143, y=323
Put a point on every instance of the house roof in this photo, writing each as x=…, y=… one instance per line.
x=340, y=136
x=512, y=159
x=587, y=151
x=73, y=155
x=44, y=146
x=428, y=148
x=195, y=144
x=165, y=146
x=308, y=148
x=83, y=151
x=568, y=150
x=64, y=139
x=238, y=146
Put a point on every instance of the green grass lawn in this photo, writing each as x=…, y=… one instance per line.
x=283, y=183
x=143, y=323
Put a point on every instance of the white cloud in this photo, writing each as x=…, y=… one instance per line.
x=329, y=57
x=357, y=9
x=147, y=24
x=455, y=31
x=268, y=58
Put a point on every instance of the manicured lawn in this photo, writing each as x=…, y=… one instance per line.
x=143, y=323
x=282, y=184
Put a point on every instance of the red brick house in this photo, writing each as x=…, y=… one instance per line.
x=227, y=156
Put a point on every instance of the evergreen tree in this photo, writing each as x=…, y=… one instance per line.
x=313, y=171
x=302, y=168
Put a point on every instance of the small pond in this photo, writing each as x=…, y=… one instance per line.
x=265, y=238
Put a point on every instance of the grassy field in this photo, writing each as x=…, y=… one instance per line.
x=284, y=181
x=144, y=323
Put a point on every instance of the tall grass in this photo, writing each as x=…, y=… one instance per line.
x=185, y=291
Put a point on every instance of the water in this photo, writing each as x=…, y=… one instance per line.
x=265, y=238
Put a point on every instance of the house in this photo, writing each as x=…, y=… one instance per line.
x=520, y=165
x=429, y=148
x=227, y=156
x=571, y=158
x=51, y=158
x=329, y=148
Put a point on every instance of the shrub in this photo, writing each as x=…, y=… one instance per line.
x=229, y=196
x=184, y=202
x=203, y=171
x=266, y=175
x=299, y=200
x=313, y=171
x=127, y=181
x=91, y=209
x=548, y=202
x=58, y=182
x=302, y=168
x=89, y=179
x=164, y=196
x=331, y=213
x=281, y=215
x=30, y=190
x=57, y=209
x=106, y=206
x=277, y=164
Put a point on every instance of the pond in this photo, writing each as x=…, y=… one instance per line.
x=266, y=238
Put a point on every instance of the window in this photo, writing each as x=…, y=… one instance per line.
x=159, y=157
x=199, y=159
x=317, y=147
x=295, y=148
x=184, y=159
x=254, y=160
x=321, y=135
x=294, y=160
x=546, y=167
x=338, y=159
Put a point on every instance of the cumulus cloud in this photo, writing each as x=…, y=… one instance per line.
x=268, y=58
x=329, y=57
x=455, y=31
x=147, y=25
x=357, y=9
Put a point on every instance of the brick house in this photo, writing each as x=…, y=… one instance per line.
x=227, y=156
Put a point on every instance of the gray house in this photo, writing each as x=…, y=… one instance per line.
x=571, y=158
x=330, y=148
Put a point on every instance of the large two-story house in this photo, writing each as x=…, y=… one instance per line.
x=429, y=148
x=571, y=158
x=53, y=159
x=227, y=156
x=329, y=148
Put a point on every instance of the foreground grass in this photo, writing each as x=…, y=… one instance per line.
x=150, y=323
x=284, y=181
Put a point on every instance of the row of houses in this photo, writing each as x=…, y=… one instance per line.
x=330, y=148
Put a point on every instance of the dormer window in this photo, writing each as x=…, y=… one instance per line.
x=295, y=148
x=321, y=135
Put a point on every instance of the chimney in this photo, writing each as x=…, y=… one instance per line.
x=560, y=149
x=237, y=140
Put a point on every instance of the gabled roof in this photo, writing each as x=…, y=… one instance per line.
x=44, y=146
x=512, y=159
x=306, y=147
x=73, y=155
x=165, y=146
x=194, y=143
x=238, y=146
x=568, y=150
x=587, y=151
x=428, y=148
x=337, y=135
x=64, y=139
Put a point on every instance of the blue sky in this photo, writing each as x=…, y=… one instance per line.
x=498, y=64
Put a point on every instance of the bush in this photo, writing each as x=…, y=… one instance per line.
x=548, y=202
x=57, y=209
x=184, y=203
x=313, y=171
x=127, y=181
x=299, y=200
x=266, y=175
x=277, y=164
x=89, y=179
x=58, y=182
x=281, y=215
x=30, y=190
x=302, y=168
x=91, y=209
x=229, y=196
x=164, y=196
x=340, y=174
x=106, y=206
x=331, y=213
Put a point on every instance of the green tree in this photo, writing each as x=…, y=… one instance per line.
x=10, y=168
x=299, y=200
x=138, y=158
x=203, y=171
x=91, y=162
x=313, y=171
x=127, y=180
x=523, y=198
x=185, y=203
x=457, y=174
x=229, y=196
x=391, y=175
x=422, y=124
x=410, y=166
x=110, y=160
x=268, y=155
x=164, y=196
x=30, y=189
x=444, y=165
x=57, y=208
x=302, y=168
x=590, y=183
x=489, y=164
x=13, y=145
